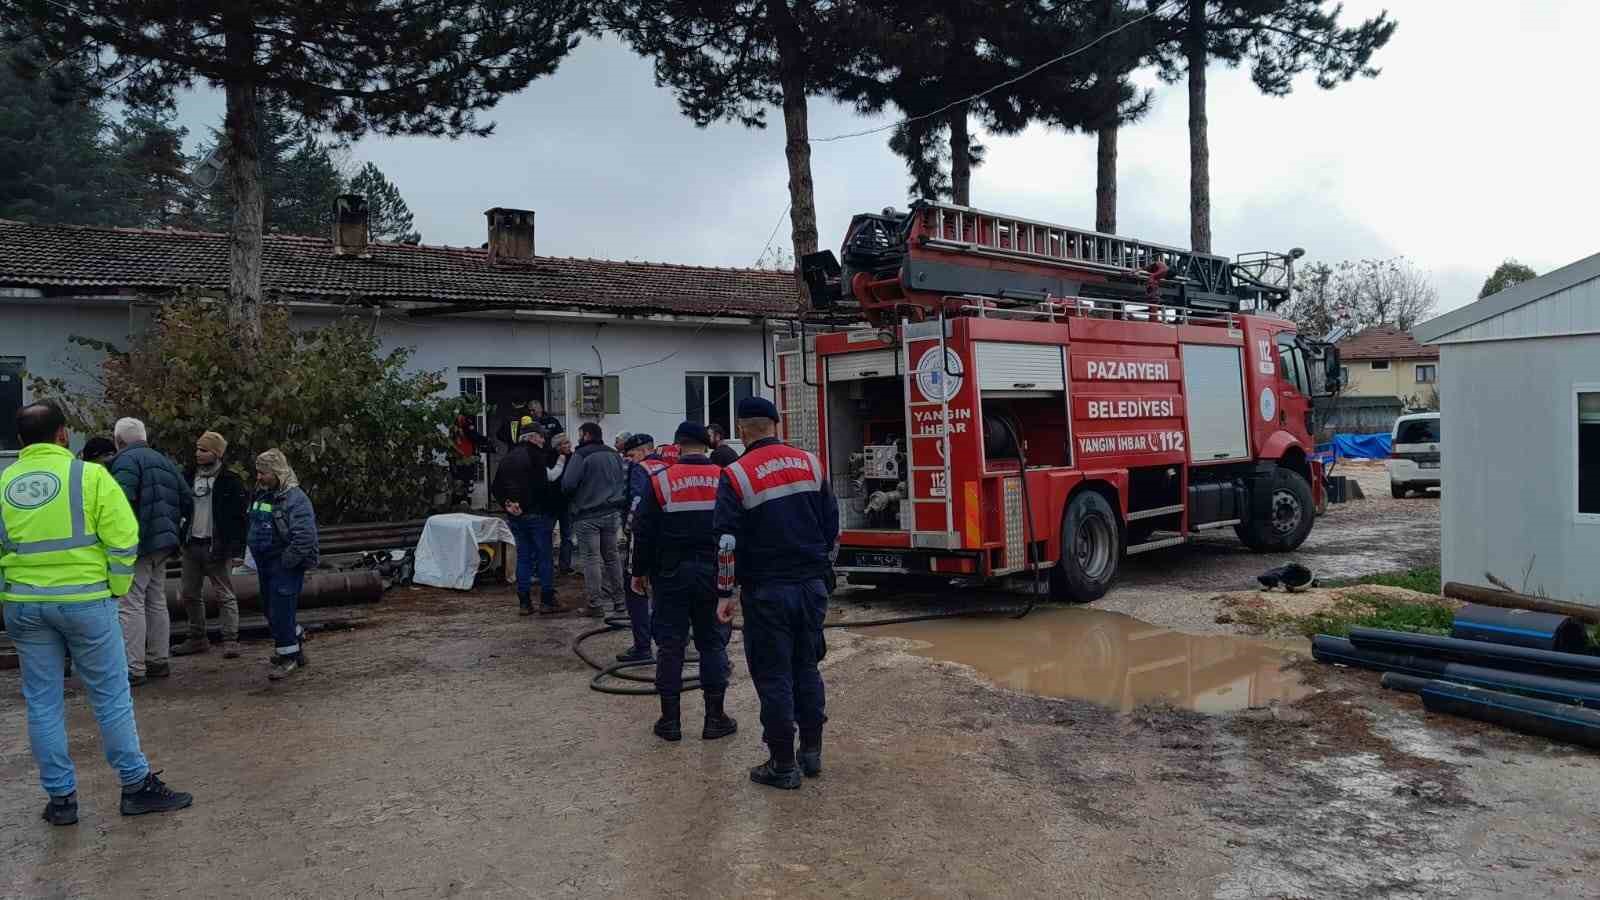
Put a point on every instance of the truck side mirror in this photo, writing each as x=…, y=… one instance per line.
x=1333, y=377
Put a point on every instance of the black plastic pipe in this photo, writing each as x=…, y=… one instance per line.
x=1328, y=649
x=1556, y=721
x=1498, y=656
x=1520, y=628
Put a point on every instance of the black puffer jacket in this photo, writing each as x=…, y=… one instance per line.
x=160, y=496
x=523, y=476
x=229, y=501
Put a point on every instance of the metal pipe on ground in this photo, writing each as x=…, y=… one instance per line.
x=1329, y=649
x=1509, y=600
x=1556, y=721
x=322, y=589
x=1478, y=653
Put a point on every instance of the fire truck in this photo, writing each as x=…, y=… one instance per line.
x=997, y=399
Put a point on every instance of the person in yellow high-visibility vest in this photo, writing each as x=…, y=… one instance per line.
x=68, y=541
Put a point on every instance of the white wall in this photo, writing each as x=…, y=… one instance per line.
x=1508, y=456
x=652, y=395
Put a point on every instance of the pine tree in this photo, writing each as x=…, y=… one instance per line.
x=388, y=216
x=1279, y=38
x=154, y=189
x=389, y=66
x=732, y=59
x=54, y=166
x=926, y=61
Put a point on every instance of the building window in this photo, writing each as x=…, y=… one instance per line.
x=711, y=399
x=11, y=400
x=1380, y=365
x=1344, y=376
x=1588, y=452
x=1427, y=374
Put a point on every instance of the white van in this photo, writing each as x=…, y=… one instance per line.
x=1414, y=454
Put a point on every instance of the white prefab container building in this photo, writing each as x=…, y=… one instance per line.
x=1519, y=398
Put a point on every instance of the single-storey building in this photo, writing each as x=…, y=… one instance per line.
x=1520, y=436
x=635, y=346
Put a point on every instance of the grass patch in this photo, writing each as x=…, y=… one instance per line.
x=1425, y=581
x=1353, y=610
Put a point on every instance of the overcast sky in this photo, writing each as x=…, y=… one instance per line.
x=1477, y=142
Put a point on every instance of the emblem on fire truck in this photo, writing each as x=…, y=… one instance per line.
x=939, y=383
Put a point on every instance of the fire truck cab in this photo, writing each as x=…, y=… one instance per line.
x=995, y=398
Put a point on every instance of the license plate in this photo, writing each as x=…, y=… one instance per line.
x=878, y=560
x=1428, y=465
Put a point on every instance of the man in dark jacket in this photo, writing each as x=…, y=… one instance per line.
x=528, y=486
x=722, y=452
x=777, y=516
x=162, y=501
x=594, y=485
x=212, y=541
x=675, y=559
x=283, y=543
x=644, y=463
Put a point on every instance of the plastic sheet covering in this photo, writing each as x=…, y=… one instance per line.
x=447, y=554
x=1356, y=446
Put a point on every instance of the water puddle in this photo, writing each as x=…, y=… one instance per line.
x=1112, y=659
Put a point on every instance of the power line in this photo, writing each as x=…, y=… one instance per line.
x=986, y=92
x=711, y=317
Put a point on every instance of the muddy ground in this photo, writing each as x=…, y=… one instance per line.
x=451, y=748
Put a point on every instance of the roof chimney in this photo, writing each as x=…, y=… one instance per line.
x=350, y=226
x=510, y=235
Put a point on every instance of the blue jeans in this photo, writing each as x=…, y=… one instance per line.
x=783, y=644
x=569, y=543
x=280, y=597
x=686, y=600
x=43, y=634
x=535, y=536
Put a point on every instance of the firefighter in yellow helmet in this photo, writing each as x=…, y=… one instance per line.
x=68, y=541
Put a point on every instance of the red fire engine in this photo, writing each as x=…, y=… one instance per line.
x=1011, y=399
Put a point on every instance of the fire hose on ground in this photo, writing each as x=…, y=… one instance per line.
x=620, y=670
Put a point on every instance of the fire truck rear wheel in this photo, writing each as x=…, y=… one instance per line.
x=1288, y=517
x=1091, y=549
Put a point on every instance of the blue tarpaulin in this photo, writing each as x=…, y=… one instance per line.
x=1356, y=446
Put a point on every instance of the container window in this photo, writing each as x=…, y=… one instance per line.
x=1589, y=453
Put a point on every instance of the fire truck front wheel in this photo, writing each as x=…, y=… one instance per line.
x=1286, y=518
x=1091, y=549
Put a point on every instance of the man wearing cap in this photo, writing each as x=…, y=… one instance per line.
x=528, y=486
x=595, y=483
x=644, y=463
x=213, y=538
x=777, y=517
x=674, y=557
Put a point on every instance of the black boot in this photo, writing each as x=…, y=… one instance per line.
x=151, y=796
x=524, y=604
x=718, y=723
x=62, y=810
x=779, y=770
x=811, y=752
x=547, y=602
x=667, y=727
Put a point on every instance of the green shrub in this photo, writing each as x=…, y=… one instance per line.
x=367, y=437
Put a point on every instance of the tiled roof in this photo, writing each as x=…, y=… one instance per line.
x=1384, y=342
x=56, y=257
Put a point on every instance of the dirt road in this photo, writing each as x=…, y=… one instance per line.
x=451, y=748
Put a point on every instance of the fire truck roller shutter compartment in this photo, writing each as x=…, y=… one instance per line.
x=866, y=419
x=1031, y=368
x=1213, y=385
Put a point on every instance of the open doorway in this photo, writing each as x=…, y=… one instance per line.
x=505, y=396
